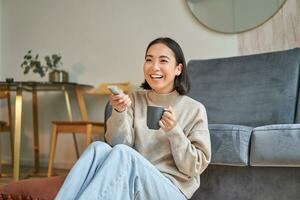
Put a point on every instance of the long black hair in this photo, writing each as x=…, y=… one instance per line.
x=181, y=82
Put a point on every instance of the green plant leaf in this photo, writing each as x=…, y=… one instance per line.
x=48, y=62
x=38, y=64
x=26, y=70
x=41, y=72
x=56, y=60
x=32, y=63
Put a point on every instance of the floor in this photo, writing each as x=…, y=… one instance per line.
x=26, y=172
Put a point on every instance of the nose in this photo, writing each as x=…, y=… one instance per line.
x=155, y=66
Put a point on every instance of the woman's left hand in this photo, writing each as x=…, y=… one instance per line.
x=168, y=119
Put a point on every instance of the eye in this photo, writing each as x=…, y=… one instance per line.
x=148, y=60
x=164, y=61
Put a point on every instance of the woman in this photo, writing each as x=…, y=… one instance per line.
x=144, y=163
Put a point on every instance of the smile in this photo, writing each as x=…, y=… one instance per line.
x=154, y=76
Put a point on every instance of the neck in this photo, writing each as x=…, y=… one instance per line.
x=162, y=99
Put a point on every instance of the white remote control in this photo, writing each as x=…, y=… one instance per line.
x=114, y=89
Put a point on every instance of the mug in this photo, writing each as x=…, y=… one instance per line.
x=154, y=114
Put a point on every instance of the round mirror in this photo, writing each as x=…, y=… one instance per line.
x=233, y=16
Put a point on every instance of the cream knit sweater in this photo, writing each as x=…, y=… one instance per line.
x=183, y=153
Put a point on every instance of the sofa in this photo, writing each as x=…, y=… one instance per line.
x=253, y=112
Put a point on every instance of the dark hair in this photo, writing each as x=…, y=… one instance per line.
x=181, y=82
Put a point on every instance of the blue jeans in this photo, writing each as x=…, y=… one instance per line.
x=118, y=173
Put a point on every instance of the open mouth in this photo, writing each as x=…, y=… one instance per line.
x=155, y=76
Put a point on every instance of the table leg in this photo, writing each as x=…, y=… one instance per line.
x=35, y=130
x=67, y=99
x=82, y=107
x=17, y=134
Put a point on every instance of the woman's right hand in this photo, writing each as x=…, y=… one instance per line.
x=119, y=102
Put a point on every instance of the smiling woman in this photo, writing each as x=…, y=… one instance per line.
x=149, y=162
x=233, y=16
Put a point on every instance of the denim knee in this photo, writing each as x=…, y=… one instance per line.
x=99, y=146
x=124, y=149
x=121, y=147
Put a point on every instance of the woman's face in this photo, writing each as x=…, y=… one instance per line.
x=160, y=68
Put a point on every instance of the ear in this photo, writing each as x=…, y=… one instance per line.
x=178, y=69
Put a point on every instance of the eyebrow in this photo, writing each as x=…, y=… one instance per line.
x=159, y=56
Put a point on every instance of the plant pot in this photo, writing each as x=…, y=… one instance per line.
x=58, y=76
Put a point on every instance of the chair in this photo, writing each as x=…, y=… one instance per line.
x=81, y=127
x=6, y=127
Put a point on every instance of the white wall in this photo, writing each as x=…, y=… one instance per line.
x=99, y=41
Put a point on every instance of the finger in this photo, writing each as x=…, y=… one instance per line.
x=165, y=123
x=124, y=104
x=114, y=97
x=128, y=102
x=114, y=101
x=161, y=124
x=116, y=105
x=117, y=96
x=111, y=98
x=122, y=100
x=169, y=115
x=168, y=122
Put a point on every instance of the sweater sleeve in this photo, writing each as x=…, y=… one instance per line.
x=120, y=127
x=192, y=151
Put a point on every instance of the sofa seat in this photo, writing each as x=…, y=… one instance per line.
x=230, y=144
x=276, y=145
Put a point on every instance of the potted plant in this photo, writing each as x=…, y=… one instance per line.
x=32, y=63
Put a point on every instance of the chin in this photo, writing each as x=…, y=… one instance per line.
x=153, y=86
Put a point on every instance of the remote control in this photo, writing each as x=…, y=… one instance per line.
x=114, y=89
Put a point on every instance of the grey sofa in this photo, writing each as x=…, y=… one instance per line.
x=253, y=112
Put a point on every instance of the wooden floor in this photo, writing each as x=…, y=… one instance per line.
x=27, y=172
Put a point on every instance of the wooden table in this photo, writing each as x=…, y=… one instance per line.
x=34, y=87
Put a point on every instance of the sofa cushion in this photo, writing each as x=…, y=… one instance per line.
x=252, y=90
x=276, y=145
x=230, y=144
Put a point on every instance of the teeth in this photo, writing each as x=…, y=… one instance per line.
x=155, y=76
